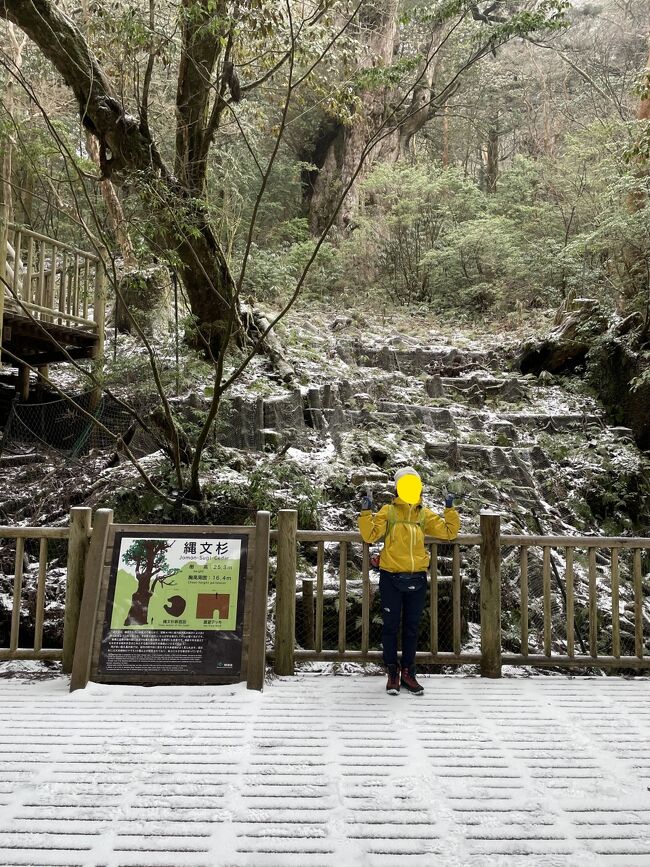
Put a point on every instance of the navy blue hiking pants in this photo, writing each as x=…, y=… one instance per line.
x=402, y=597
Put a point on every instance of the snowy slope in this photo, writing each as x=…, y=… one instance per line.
x=326, y=771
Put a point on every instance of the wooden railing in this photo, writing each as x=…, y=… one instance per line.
x=600, y=647
x=52, y=281
x=590, y=595
x=78, y=535
x=559, y=649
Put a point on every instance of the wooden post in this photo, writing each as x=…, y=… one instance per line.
x=29, y=273
x=308, y=612
x=39, y=295
x=99, y=318
x=18, y=241
x=14, y=633
x=99, y=303
x=257, y=639
x=433, y=595
x=320, y=580
x=88, y=614
x=23, y=382
x=343, y=595
x=638, y=604
x=43, y=374
x=365, y=599
x=593, y=604
x=4, y=249
x=285, y=592
x=490, y=595
x=78, y=544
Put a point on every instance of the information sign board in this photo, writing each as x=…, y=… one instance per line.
x=174, y=605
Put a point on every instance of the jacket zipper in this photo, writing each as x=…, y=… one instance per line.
x=412, y=531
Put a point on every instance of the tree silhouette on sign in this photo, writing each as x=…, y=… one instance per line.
x=148, y=557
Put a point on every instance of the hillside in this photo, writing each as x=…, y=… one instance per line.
x=366, y=397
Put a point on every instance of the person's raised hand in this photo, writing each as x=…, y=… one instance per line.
x=366, y=502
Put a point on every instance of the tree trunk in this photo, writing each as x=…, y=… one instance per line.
x=127, y=151
x=338, y=149
x=492, y=168
x=139, y=611
x=445, y=136
x=7, y=200
x=635, y=260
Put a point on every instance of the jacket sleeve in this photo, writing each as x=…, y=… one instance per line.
x=446, y=527
x=373, y=527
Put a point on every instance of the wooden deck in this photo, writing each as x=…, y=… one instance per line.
x=327, y=772
x=52, y=301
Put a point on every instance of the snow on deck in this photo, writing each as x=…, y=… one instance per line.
x=321, y=771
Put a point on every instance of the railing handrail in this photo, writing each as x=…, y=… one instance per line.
x=474, y=539
x=493, y=548
x=60, y=245
x=577, y=541
x=355, y=536
x=8, y=532
x=78, y=534
x=52, y=311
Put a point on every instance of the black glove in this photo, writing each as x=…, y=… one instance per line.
x=366, y=502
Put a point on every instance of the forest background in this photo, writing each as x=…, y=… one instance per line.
x=481, y=162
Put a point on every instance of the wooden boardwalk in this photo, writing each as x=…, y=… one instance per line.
x=324, y=771
x=52, y=302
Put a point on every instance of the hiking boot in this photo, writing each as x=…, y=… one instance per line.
x=392, y=685
x=410, y=683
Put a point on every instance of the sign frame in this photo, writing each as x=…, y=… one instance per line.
x=101, y=577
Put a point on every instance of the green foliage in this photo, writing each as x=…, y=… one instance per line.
x=285, y=485
x=429, y=234
x=273, y=271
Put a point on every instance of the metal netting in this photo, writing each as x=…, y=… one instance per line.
x=307, y=590
x=59, y=426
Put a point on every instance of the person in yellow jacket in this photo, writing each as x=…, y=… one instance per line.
x=403, y=568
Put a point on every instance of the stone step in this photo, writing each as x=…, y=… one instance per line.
x=504, y=388
x=417, y=361
x=409, y=413
x=498, y=462
x=551, y=423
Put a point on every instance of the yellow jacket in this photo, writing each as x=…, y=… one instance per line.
x=404, y=549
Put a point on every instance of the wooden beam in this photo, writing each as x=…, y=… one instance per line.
x=102, y=521
x=256, y=668
x=78, y=543
x=285, y=592
x=23, y=382
x=490, y=595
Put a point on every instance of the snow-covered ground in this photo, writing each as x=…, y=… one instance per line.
x=320, y=771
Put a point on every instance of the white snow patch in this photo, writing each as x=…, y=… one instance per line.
x=321, y=771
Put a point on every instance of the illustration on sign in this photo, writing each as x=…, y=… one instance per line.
x=176, y=584
x=175, y=606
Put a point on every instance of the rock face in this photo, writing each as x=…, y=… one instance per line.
x=614, y=363
x=578, y=323
x=614, y=357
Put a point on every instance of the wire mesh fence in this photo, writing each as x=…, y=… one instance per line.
x=346, y=630
x=60, y=426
